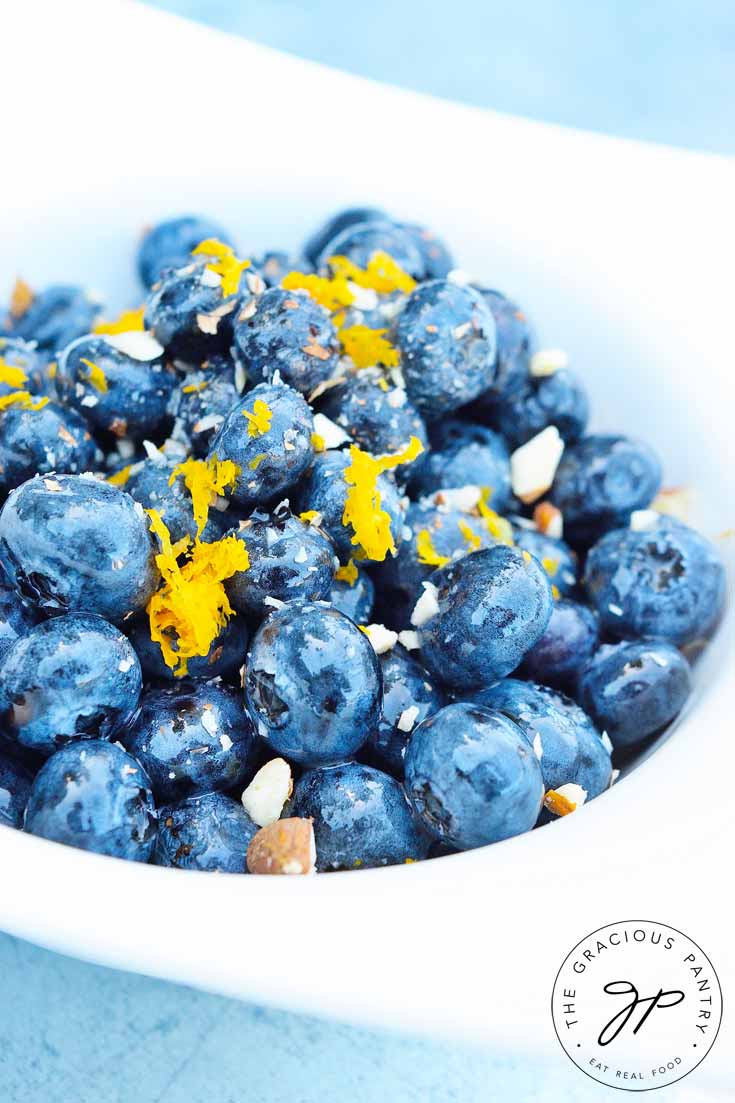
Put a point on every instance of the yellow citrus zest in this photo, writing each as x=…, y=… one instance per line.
x=96, y=376
x=363, y=510
x=382, y=274
x=329, y=293
x=558, y=803
x=256, y=461
x=21, y=298
x=551, y=566
x=227, y=265
x=367, y=347
x=309, y=515
x=259, y=419
x=22, y=399
x=348, y=573
x=471, y=537
x=427, y=553
x=120, y=477
x=10, y=375
x=127, y=322
x=191, y=607
x=496, y=525
x=205, y=480
x=318, y=443
x=194, y=388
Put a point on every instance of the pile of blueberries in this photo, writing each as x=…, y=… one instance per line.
x=528, y=625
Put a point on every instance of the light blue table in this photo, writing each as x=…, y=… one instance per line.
x=74, y=1033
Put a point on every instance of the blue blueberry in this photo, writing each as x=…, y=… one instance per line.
x=566, y=646
x=558, y=399
x=600, y=481
x=361, y=818
x=16, y=353
x=169, y=244
x=360, y=241
x=312, y=684
x=634, y=689
x=199, y=405
x=271, y=462
x=289, y=560
x=192, y=739
x=73, y=543
x=15, y=785
x=409, y=696
x=17, y=617
x=446, y=337
x=209, y=832
x=57, y=316
x=39, y=441
x=379, y=421
x=94, y=796
x=438, y=260
x=558, y=559
x=354, y=599
x=490, y=608
x=515, y=342
x=324, y=489
x=190, y=316
x=665, y=581
x=472, y=777
x=464, y=454
x=149, y=484
x=564, y=739
x=336, y=224
x=399, y=579
x=129, y=398
x=71, y=677
x=225, y=657
x=286, y=332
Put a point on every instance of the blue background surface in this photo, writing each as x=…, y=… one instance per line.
x=72, y=1033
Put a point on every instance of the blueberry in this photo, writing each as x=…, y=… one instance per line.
x=72, y=677
x=361, y=817
x=446, y=336
x=409, y=696
x=665, y=581
x=58, y=315
x=192, y=739
x=600, y=481
x=124, y=394
x=73, y=543
x=94, y=796
x=312, y=684
x=558, y=399
x=288, y=560
x=199, y=405
x=566, y=646
x=472, y=777
x=324, y=490
x=16, y=353
x=634, y=689
x=399, y=579
x=490, y=608
x=379, y=421
x=464, y=454
x=17, y=617
x=286, y=332
x=169, y=244
x=335, y=224
x=189, y=314
x=38, y=441
x=274, y=460
x=438, y=261
x=558, y=559
x=224, y=659
x=354, y=599
x=515, y=343
x=564, y=739
x=15, y=785
x=209, y=832
x=148, y=484
x=360, y=241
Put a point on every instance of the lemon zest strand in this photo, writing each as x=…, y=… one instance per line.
x=368, y=347
x=205, y=480
x=22, y=399
x=471, y=537
x=329, y=293
x=383, y=274
x=96, y=376
x=11, y=375
x=128, y=321
x=496, y=525
x=120, y=477
x=427, y=553
x=348, y=573
x=259, y=421
x=363, y=510
x=227, y=265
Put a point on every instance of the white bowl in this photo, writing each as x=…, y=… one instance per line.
x=622, y=253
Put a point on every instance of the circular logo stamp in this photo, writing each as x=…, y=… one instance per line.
x=637, y=1005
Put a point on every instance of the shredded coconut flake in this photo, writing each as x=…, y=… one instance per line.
x=383, y=639
x=427, y=605
x=407, y=719
x=265, y=796
x=533, y=465
x=331, y=434
x=137, y=344
x=548, y=362
x=409, y=639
